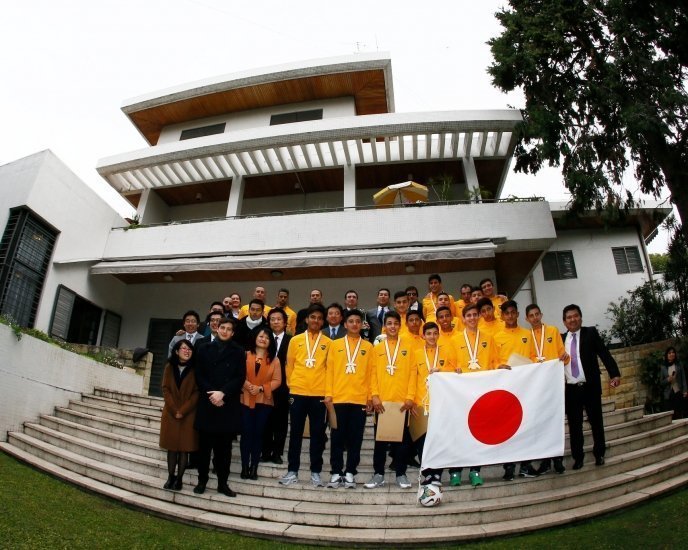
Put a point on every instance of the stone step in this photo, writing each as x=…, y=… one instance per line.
x=131, y=397
x=151, y=410
x=135, y=419
x=363, y=516
x=105, y=424
x=154, y=465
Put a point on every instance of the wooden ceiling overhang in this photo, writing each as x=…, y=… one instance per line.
x=367, y=79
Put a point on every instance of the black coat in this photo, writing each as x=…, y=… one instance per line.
x=220, y=366
x=591, y=347
x=242, y=332
x=282, y=393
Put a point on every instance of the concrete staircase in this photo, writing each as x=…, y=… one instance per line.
x=107, y=443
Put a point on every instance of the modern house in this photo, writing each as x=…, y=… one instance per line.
x=267, y=177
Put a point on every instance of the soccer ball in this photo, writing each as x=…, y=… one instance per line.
x=429, y=495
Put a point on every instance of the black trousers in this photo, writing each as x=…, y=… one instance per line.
x=275, y=434
x=579, y=398
x=351, y=420
x=220, y=444
x=300, y=407
x=398, y=450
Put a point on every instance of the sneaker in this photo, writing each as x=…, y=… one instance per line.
x=437, y=479
x=403, y=482
x=475, y=479
x=378, y=480
x=529, y=471
x=509, y=472
x=335, y=482
x=545, y=468
x=559, y=466
x=427, y=480
x=289, y=478
x=349, y=481
x=316, y=480
x=455, y=479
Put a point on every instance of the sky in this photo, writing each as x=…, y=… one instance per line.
x=69, y=65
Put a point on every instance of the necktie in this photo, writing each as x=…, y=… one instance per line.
x=278, y=339
x=332, y=332
x=575, y=370
x=381, y=314
x=188, y=336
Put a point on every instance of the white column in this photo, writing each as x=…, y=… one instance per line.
x=471, y=179
x=236, y=196
x=349, y=186
x=152, y=209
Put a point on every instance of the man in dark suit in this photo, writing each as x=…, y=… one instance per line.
x=220, y=374
x=377, y=314
x=247, y=324
x=583, y=385
x=190, y=322
x=333, y=328
x=213, y=323
x=275, y=434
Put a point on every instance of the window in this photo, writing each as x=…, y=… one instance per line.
x=299, y=116
x=627, y=259
x=559, y=265
x=25, y=251
x=78, y=321
x=203, y=131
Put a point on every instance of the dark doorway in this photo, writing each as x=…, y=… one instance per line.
x=84, y=322
x=160, y=332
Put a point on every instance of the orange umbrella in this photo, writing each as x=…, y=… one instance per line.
x=407, y=192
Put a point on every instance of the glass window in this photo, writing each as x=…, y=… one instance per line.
x=559, y=265
x=627, y=259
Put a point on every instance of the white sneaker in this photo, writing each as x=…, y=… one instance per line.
x=335, y=482
x=349, y=481
x=289, y=478
x=316, y=480
x=403, y=482
x=376, y=481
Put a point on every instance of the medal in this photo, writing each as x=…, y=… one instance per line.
x=310, y=361
x=472, y=353
x=391, y=359
x=351, y=359
x=426, y=402
x=539, y=349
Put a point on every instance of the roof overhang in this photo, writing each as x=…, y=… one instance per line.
x=365, y=77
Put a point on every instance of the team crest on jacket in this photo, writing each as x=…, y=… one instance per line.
x=322, y=347
x=549, y=340
x=441, y=362
x=363, y=352
x=403, y=352
x=483, y=344
x=524, y=339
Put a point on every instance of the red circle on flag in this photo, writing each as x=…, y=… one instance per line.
x=495, y=417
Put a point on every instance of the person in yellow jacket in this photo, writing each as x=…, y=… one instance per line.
x=393, y=380
x=547, y=345
x=414, y=329
x=283, y=303
x=258, y=294
x=448, y=332
x=350, y=363
x=476, y=352
x=489, y=322
x=513, y=340
x=431, y=358
x=306, y=378
x=489, y=291
x=430, y=304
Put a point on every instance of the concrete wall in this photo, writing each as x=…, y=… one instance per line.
x=332, y=108
x=598, y=282
x=37, y=377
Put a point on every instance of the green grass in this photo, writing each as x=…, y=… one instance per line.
x=37, y=511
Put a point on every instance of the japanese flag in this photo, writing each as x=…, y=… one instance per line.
x=495, y=416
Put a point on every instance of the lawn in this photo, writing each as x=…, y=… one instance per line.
x=37, y=511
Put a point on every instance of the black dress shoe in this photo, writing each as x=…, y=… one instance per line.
x=544, y=468
x=253, y=472
x=599, y=461
x=200, y=488
x=244, y=472
x=169, y=484
x=225, y=490
x=178, y=484
x=277, y=459
x=559, y=466
x=413, y=463
x=265, y=457
x=577, y=464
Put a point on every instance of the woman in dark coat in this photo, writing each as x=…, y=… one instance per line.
x=177, y=433
x=674, y=385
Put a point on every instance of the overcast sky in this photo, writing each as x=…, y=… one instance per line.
x=69, y=64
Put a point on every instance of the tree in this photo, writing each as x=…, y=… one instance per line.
x=659, y=262
x=605, y=86
x=676, y=273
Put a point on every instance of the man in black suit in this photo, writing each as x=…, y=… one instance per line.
x=213, y=323
x=377, y=314
x=220, y=374
x=333, y=328
x=275, y=433
x=583, y=386
x=247, y=324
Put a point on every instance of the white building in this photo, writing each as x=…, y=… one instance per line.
x=267, y=177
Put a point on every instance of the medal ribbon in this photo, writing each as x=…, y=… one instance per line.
x=391, y=360
x=351, y=360
x=310, y=362
x=472, y=353
x=426, y=400
x=538, y=349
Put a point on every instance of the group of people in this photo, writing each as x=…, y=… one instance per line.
x=254, y=371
